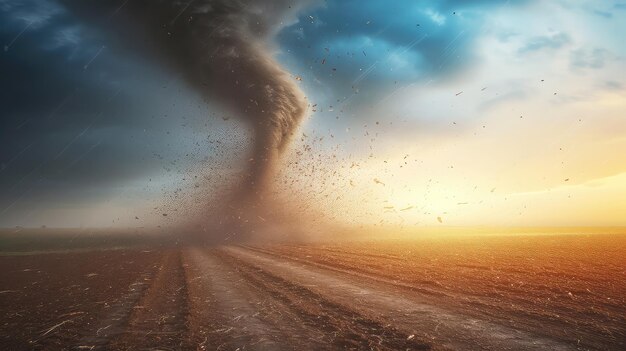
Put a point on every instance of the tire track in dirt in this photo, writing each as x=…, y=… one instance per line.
x=235, y=305
x=159, y=320
x=341, y=328
x=509, y=310
x=355, y=271
x=152, y=314
x=114, y=322
x=398, y=307
x=227, y=313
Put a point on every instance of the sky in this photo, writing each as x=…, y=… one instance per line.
x=421, y=113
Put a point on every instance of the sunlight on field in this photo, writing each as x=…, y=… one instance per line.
x=442, y=232
x=570, y=284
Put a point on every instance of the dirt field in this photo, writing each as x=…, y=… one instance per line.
x=492, y=293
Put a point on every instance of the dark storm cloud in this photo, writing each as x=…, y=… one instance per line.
x=63, y=97
x=366, y=48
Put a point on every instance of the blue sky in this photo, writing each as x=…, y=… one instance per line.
x=92, y=125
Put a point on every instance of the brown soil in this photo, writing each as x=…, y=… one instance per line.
x=518, y=293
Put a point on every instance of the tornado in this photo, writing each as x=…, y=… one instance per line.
x=226, y=57
x=222, y=48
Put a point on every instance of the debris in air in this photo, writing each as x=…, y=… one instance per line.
x=55, y=326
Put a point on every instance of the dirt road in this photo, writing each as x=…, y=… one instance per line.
x=232, y=298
